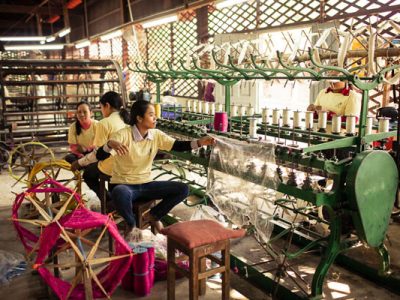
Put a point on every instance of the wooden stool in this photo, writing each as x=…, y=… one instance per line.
x=139, y=208
x=198, y=240
x=104, y=180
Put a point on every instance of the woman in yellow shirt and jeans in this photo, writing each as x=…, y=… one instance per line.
x=136, y=146
x=115, y=118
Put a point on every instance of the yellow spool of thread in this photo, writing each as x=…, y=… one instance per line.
x=157, y=108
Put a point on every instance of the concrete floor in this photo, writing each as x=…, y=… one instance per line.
x=340, y=283
x=29, y=285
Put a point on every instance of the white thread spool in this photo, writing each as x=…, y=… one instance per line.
x=253, y=128
x=383, y=125
x=309, y=120
x=286, y=117
x=336, y=124
x=206, y=107
x=276, y=116
x=212, y=108
x=242, y=111
x=195, y=105
x=200, y=106
x=234, y=111
x=368, y=125
x=189, y=104
x=322, y=120
x=350, y=125
x=265, y=115
x=250, y=111
x=297, y=115
x=220, y=107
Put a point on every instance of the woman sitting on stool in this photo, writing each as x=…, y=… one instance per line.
x=136, y=146
x=115, y=117
x=81, y=133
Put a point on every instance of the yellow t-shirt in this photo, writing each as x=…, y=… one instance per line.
x=135, y=166
x=85, y=139
x=105, y=128
x=339, y=104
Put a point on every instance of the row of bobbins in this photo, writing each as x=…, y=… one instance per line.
x=383, y=125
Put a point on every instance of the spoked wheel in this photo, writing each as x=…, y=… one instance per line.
x=87, y=271
x=4, y=155
x=24, y=157
x=58, y=170
x=47, y=203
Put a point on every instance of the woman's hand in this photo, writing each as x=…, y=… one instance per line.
x=313, y=107
x=75, y=166
x=120, y=148
x=206, y=141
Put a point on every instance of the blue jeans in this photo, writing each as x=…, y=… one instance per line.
x=171, y=193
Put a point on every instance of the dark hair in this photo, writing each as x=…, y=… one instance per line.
x=138, y=109
x=115, y=101
x=135, y=96
x=78, y=126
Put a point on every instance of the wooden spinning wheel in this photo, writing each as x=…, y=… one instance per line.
x=24, y=157
x=58, y=170
x=96, y=274
x=44, y=211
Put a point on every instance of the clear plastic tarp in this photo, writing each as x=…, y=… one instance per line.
x=242, y=182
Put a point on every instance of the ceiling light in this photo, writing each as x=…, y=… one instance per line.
x=50, y=39
x=111, y=35
x=34, y=47
x=82, y=44
x=227, y=3
x=22, y=38
x=42, y=42
x=64, y=31
x=161, y=21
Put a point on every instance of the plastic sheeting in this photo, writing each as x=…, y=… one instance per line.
x=242, y=182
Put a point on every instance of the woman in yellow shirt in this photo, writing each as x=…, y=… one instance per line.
x=81, y=133
x=115, y=118
x=136, y=146
x=338, y=99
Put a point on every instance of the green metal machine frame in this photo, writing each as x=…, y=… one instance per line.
x=356, y=192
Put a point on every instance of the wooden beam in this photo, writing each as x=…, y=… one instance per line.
x=27, y=9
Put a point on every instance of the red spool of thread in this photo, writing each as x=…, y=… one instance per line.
x=221, y=121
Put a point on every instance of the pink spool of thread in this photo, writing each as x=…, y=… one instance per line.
x=142, y=284
x=151, y=253
x=221, y=121
x=137, y=279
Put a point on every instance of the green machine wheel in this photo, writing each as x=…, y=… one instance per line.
x=371, y=186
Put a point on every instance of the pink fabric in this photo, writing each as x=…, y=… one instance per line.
x=109, y=277
x=196, y=233
x=27, y=237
